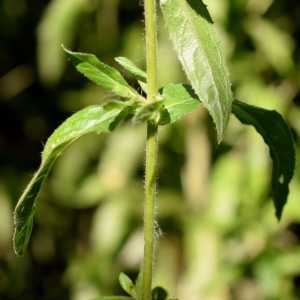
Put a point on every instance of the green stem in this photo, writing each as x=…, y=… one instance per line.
x=151, y=151
x=149, y=210
x=151, y=47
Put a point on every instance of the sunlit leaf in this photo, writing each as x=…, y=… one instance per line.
x=179, y=100
x=114, y=298
x=277, y=135
x=91, y=119
x=143, y=86
x=200, y=53
x=127, y=284
x=132, y=68
x=101, y=74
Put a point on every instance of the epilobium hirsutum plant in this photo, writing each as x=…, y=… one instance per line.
x=200, y=53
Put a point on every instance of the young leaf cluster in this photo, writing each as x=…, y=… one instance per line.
x=174, y=102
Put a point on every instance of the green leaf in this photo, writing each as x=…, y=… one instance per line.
x=127, y=109
x=200, y=53
x=101, y=74
x=179, y=100
x=139, y=284
x=114, y=298
x=277, y=135
x=109, y=105
x=158, y=293
x=132, y=68
x=147, y=112
x=143, y=86
x=127, y=285
x=91, y=119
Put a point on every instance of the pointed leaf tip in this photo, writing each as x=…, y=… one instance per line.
x=101, y=74
x=277, y=135
x=127, y=285
x=90, y=119
x=131, y=67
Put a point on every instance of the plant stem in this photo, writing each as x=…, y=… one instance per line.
x=151, y=150
x=151, y=47
x=149, y=210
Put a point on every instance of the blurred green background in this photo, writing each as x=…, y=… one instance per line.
x=218, y=238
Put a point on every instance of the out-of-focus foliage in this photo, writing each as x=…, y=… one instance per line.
x=218, y=238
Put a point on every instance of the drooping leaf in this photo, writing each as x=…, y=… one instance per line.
x=158, y=293
x=127, y=285
x=91, y=119
x=200, y=53
x=132, y=68
x=277, y=135
x=179, y=100
x=101, y=74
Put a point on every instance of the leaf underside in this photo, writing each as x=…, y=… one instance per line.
x=200, y=53
x=277, y=135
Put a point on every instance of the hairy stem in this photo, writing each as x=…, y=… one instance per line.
x=151, y=47
x=149, y=210
x=151, y=150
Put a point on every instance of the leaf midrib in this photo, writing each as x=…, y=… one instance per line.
x=186, y=9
